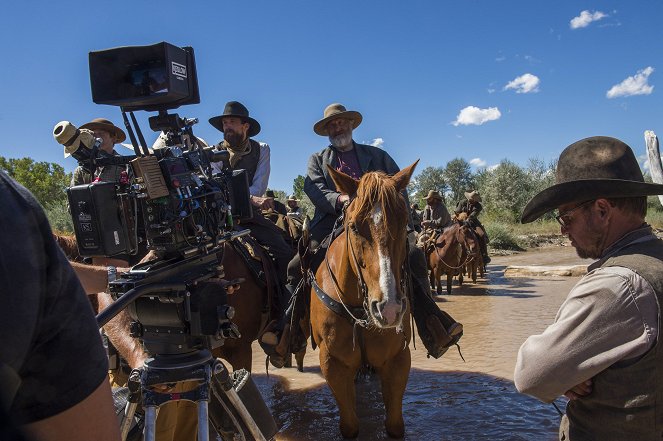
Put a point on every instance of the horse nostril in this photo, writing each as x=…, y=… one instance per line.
x=375, y=308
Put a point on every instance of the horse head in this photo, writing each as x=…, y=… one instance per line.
x=376, y=240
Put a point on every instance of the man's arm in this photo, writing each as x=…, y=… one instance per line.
x=117, y=331
x=261, y=176
x=93, y=418
x=316, y=188
x=601, y=322
x=94, y=278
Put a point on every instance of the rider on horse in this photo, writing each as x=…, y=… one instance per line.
x=434, y=219
x=353, y=159
x=245, y=153
x=472, y=207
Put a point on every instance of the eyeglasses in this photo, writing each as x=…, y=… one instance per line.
x=564, y=219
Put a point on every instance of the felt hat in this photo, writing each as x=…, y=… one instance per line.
x=104, y=124
x=433, y=194
x=592, y=168
x=292, y=198
x=334, y=111
x=473, y=196
x=236, y=109
x=270, y=194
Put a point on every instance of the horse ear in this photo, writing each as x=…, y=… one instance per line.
x=344, y=183
x=402, y=178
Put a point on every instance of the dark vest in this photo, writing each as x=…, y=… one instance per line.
x=626, y=402
x=250, y=162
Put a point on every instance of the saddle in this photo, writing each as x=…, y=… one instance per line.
x=261, y=266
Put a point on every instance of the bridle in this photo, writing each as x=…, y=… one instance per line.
x=469, y=258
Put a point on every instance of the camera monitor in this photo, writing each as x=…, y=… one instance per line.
x=156, y=77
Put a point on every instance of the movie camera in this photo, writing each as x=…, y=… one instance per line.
x=181, y=200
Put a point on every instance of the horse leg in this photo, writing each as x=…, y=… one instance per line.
x=474, y=270
x=299, y=357
x=340, y=379
x=393, y=376
x=450, y=277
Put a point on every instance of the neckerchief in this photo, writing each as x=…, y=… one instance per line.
x=236, y=153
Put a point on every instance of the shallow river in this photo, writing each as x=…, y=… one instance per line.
x=446, y=399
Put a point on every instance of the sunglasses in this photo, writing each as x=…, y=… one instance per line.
x=564, y=219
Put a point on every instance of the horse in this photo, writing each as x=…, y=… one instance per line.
x=448, y=255
x=358, y=309
x=248, y=302
x=473, y=256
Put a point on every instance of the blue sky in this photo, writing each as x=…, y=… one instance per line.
x=436, y=80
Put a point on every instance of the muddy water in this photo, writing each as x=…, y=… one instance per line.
x=448, y=398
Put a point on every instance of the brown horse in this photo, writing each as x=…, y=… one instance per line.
x=473, y=256
x=367, y=320
x=448, y=256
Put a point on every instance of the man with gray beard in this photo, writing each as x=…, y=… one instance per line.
x=354, y=160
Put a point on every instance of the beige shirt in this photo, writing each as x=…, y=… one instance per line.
x=610, y=316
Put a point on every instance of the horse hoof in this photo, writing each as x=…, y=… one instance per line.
x=397, y=431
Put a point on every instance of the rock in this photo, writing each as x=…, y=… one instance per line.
x=541, y=270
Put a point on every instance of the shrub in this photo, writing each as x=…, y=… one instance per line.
x=502, y=237
x=58, y=216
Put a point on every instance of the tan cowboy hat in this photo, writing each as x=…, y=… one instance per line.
x=473, y=196
x=104, y=124
x=592, y=168
x=334, y=111
x=237, y=109
x=433, y=194
x=292, y=198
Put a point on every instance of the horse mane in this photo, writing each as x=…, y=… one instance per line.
x=375, y=188
x=69, y=246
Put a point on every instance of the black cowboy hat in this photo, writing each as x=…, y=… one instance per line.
x=237, y=109
x=104, y=124
x=592, y=168
x=334, y=111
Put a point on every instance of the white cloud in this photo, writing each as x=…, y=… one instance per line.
x=377, y=142
x=526, y=83
x=471, y=115
x=585, y=18
x=478, y=162
x=500, y=58
x=492, y=167
x=635, y=85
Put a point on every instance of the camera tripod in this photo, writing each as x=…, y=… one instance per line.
x=224, y=407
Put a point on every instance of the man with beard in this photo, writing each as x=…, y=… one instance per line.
x=354, y=160
x=238, y=128
x=601, y=352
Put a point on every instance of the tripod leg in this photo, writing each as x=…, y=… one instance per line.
x=129, y=413
x=203, y=422
x=150, y=422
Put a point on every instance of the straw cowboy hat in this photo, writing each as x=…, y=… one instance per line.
x=292, y=198
x=433, y=194
x=473, y=196
x=104, y=124
x=592, y=168
x=236, y=109
x=334, y=111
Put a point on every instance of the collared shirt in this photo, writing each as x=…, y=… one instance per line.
x=610, y=316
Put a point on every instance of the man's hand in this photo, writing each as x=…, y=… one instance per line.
x=579, y=390
x=262, y=203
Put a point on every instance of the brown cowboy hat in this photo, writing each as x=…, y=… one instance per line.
x=433, y=194
x=237, y=109
x=473, y=196
x=334, y=111
x=104, y=124
x=592, y=168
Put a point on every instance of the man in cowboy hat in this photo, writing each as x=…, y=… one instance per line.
x=279, y=206
x=601, y=351
x=293, y=206
x=355, y=159
x=245, y=153
x=434, y=218
x=472, y=207
x=435, y=213
x=110, y=135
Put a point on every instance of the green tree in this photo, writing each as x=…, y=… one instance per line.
x=298, y=186
x=505, y=191
x=458, y=176
x=430, y=178
x=46, y=180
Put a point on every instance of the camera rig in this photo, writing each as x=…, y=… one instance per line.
x=172, y=200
